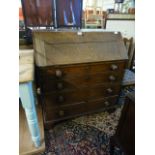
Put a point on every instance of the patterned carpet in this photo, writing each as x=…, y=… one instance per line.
x=86, y=135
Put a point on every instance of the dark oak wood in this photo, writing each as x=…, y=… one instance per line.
x=130, y=46
x=78, y=74
x=82, y=69
x=62, y=48
x=59, y=98
x=125, y=133
x=64, y=112
x=49, y=84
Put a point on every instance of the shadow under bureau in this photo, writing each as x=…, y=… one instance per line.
x=78, y=72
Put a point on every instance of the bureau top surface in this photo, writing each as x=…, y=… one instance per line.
x=63, y=48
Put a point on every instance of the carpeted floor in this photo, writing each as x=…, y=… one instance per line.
x=86, y=135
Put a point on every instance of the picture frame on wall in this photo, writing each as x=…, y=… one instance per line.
x=52, y=13
x=69, y=13
x=38, y=13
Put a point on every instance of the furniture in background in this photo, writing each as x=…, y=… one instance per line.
x=128, y=83
x=94, y=18
x=130, y=46
x=128, y=79
x=124, y=138
x=93, y=15
x=129, y=76
x=26, y=145
x=26, y=71
x=78, y=72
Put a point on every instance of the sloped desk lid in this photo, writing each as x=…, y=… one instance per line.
x=62, y=48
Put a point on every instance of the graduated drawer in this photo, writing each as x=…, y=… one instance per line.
x=66, y=71
x=65, y=112
x=60, y=98
x=50, y=83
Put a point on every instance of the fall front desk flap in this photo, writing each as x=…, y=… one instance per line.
x=41, y=13
x=62, y=48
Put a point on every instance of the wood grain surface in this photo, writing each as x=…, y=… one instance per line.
x=78, y=73
x=65, y=47
x=26, y=65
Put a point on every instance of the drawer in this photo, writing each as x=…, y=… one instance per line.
x=49, y=84
x=65, y=112
x=100, y=103
x=81, y=69
x=108, y=66
x=60, y=98
x=61, y=113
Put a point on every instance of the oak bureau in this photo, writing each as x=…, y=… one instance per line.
x=78, y=72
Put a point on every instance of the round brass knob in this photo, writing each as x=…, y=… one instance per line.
x=109, y=90
x=114, y=67
x=58, y=73
x=106, y=103
x=60, y=85
x=61, y=113
x=38, y=91
x=60, y=98
x=112, y=78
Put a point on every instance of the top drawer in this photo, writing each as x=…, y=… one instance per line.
x=81, y=69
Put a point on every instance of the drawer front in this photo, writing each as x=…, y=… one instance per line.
x=53, y=114
x=61, y=98
x=81, y=69
x=49, y=84
x=100, y=103
x=62, y=113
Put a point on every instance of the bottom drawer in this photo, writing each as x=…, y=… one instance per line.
x=65, y=112
x=96, y=105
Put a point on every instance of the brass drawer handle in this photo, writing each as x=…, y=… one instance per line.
x=109, y=90
x=112, y=78
x=61, y=99
x=60, y=85
x=38, y=91
x=106, y=103
x=114, y=67
x=61, y=113
x=58, y=73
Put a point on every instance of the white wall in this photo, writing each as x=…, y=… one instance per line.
x=126, y=27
